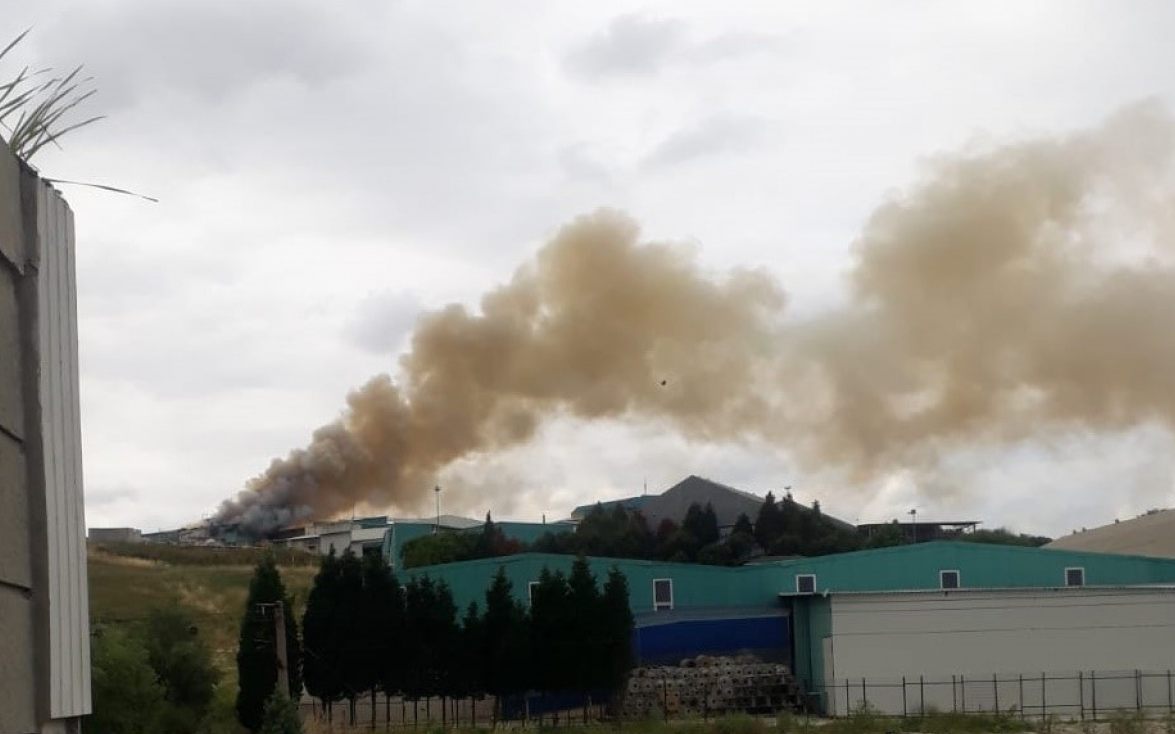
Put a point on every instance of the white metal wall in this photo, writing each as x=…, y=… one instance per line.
x=69, y=613
x=974, y=636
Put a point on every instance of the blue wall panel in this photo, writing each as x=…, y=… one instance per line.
x=671, y=642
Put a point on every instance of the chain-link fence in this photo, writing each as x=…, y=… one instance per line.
x=1078, y=695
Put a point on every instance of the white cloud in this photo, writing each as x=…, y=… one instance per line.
x=324, y=170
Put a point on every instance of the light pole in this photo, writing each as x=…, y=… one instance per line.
x=914, y=524
x=437, y=490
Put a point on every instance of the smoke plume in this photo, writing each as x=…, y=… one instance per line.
x=1014, y=291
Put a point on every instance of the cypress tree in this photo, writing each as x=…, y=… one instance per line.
x=322, y=661
x=551, y=633
x=257, y=651
x=769, y=523
x=467, y=680
x=584, y=623
x=347, y=628
x=376, y=627
x=618, y=624
x=505, y=663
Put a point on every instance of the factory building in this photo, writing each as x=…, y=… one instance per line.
x=673, y=504
x=947, y=625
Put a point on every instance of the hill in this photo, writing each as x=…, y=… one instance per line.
x=210, y=583
x=1151, y=534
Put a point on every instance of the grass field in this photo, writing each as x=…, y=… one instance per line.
x=211, y=584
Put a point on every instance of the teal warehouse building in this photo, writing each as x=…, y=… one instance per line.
x=852, y=626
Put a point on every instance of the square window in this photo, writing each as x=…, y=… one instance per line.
x=805, y=583
x=1074, y=577
x=948, y=579
x=662, y=594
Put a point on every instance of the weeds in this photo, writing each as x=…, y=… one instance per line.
x=1124, y=722
x=35, y=104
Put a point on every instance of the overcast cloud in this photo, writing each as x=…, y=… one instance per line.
x=327, y=170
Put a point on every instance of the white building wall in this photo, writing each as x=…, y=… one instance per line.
x=974, y=649
x=69, y=613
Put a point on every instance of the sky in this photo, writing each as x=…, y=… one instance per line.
x=328, y=171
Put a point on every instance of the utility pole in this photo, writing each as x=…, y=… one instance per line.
x=914, y=524
x=283, y=660
x=437, y=490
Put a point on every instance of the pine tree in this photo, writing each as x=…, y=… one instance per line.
x=505, y=663
x=769, y=523
x=743, y=525
x=467, y=680
x=618, y=627
x=321, y=667
x=376, y=629
x=257, y=651
x=551, y=632
x=584, y=627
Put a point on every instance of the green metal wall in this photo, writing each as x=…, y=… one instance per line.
x=759, y=586
x=694, y=587
x=980, y=566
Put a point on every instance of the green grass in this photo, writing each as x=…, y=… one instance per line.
x=123, y=588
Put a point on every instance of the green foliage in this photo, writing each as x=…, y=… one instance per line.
x=505, y=637
x=183, y=666
x=34, y=106
x=1127, y=722
x=190, y=555
x=127, y=697
x=618, y=625
x=1003, y=536
x=890, y=535
x=954, y=722
x=152, y=678
x=257, y=651
x=431, y=633
x=280, y=716
x=447, y=546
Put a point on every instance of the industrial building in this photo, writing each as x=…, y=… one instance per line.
x=672, y=504
x=967, y=622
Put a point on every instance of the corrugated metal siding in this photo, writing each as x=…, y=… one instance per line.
x=69, y=613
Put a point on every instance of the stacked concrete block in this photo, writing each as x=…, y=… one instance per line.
x=707, y=685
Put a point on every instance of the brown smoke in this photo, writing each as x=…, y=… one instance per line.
x=1015, y=291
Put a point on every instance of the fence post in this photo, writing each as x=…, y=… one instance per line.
x=1021, y=697
x=1044, y=698
x=1169, y=703
x=963, y=691
x=904, y=712
x=1093, y=691
x=1081, y=692
x=848, y=697
x=922, y=695
x=1137, y=690
x=995, y=691
x=864, y=695
x=665, y=697
x=954, y=696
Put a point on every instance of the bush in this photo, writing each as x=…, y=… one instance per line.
x=127, y=698
x=280, y=715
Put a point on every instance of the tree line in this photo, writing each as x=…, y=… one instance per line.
x=365, y=633
x=780, y=528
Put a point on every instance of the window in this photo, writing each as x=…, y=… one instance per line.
x=948, y=579
x=530, y=592
x=1074, y=577
x=805, y=583
x=662, y=594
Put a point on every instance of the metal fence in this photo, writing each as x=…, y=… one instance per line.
x=1077, y=695
x=455, y=713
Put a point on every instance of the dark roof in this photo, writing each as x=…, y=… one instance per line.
x=628, y=503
